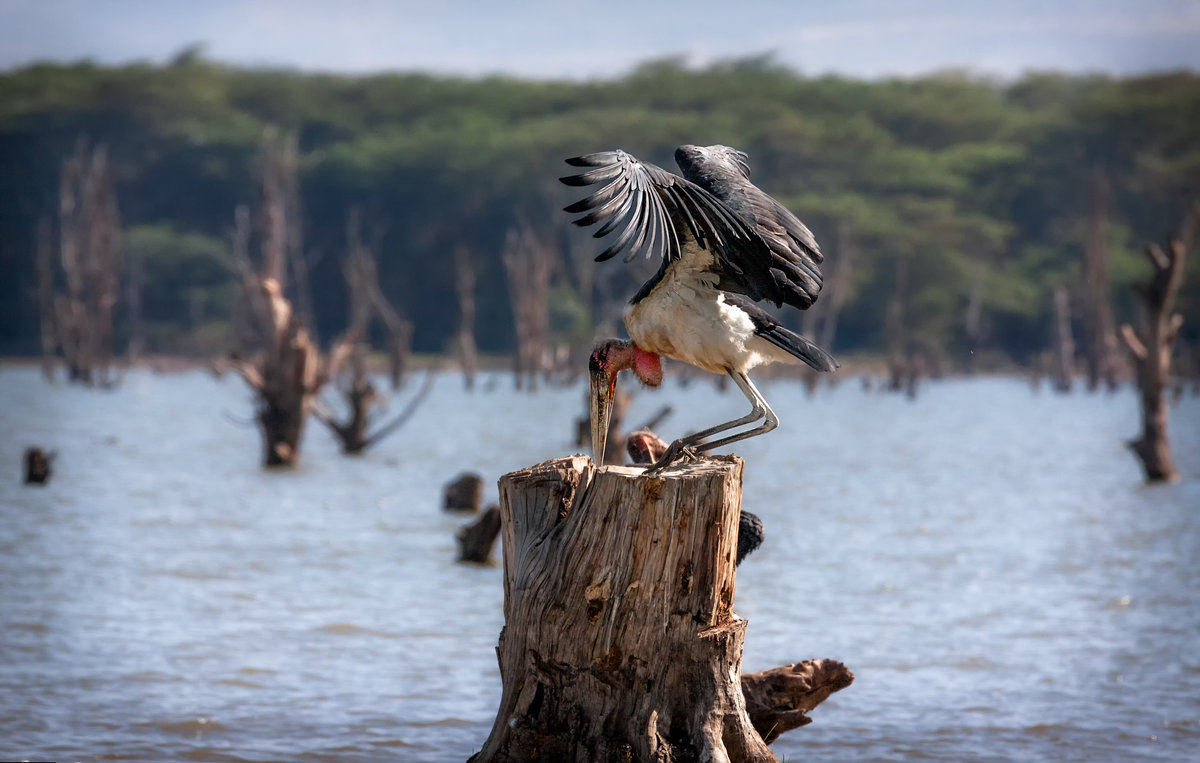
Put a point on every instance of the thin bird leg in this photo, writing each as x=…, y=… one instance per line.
x=771, y=422
x=692, y=443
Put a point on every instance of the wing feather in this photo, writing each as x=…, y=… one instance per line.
x=785, y=267
x=649, y=208
x=761, y=249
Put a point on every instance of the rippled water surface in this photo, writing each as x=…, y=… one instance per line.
x=985, y=559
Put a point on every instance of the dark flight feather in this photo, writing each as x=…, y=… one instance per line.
x=762, y=250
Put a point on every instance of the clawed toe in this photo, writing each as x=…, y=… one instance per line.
x=674, y=454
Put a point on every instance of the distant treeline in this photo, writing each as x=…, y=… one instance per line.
x=986, y=190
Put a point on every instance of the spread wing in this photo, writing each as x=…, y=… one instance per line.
x=762, y=250
x=786, y=268
x=650, y=209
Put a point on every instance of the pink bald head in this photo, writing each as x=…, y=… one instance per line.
x=616, y=355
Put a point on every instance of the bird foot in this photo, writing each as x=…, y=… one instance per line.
x=675, y=453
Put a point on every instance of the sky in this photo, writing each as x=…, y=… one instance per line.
x=569, y=39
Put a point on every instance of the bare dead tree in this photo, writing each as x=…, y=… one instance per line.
x=1101, y=339
x=363, y=277
x=1063, y=352
x=464, y=283
x=973, y=325
x=366, y=302
x=902, y=366
x=293, y=228
x=278, y=358
x=45, y=271
x=362, y=397
x=133, y=303
x=820, y=321
x=1152, y=346
x=527, y=261
x=838, y=286
x=78, y=322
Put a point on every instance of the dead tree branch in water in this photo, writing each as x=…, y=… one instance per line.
x=353, y=433
x=1152, y=347
x=367, y=301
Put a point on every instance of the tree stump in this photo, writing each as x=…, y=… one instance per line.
x=779, y=699
x=475, y=541
x=37, y=466
x=645, y=447
x=464, y=493
x=620, y=642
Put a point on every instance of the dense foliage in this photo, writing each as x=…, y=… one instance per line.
x=983, y=187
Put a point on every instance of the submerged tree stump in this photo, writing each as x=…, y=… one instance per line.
x=464, y=493
x=37, y=466
x=475, y=540
x=620, y=642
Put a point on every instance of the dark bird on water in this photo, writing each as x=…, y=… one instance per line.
x=724, y=245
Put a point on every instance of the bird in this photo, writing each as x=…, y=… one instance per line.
x=724, y=245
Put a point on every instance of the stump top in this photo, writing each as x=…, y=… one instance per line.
x=581, y=462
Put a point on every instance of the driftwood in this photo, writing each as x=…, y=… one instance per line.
x=475, y=541
x=620, y=642
x=37, y=466
x=779, y=699
x=1151, y=348
x=463, y=494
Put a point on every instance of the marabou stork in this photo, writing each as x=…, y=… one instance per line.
x=724, y=245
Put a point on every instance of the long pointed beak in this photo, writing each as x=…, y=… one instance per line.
x=601, y=399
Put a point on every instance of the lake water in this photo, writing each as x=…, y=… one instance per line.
x=985, y=559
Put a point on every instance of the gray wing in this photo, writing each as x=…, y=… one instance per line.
x=787, y=268
x=651, y=209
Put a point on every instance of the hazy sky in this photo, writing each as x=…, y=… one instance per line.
x=572, y=39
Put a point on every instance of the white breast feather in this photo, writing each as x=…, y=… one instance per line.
x=686, y=317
